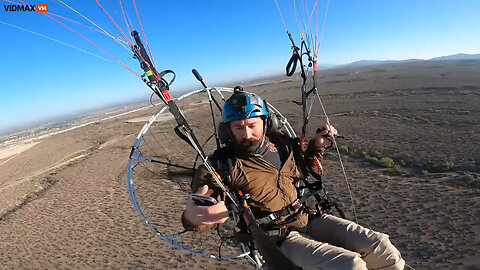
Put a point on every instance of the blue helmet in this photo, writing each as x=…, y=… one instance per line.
x=243, y=105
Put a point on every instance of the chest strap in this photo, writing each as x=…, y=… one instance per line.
x=285, y=211
x=291, y=208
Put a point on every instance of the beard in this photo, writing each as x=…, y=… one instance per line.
x=248, y=146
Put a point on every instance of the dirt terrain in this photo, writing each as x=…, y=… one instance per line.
x=64, y=201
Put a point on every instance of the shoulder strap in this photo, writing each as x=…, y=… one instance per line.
x=223, y=160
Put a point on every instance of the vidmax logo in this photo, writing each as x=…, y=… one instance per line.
x=42, y=8
x=38, y=8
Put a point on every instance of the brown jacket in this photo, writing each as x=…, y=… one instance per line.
x=270, y=189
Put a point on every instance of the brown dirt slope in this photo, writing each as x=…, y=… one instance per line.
x=76, y=213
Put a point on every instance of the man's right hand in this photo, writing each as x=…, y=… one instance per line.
x=205, y=215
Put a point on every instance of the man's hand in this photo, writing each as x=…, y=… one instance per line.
x=205, y=215
x=321, y=138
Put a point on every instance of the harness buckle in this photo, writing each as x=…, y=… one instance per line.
x=282, y=231
x=273, y=216
x=294, y=207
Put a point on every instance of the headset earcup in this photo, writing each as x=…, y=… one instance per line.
x=273, y=124
x=223, y=134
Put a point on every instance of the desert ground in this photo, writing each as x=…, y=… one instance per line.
x=410, y=151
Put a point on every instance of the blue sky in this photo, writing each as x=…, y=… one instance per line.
x=225, y=40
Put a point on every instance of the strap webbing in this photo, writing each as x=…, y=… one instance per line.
x=293, y=61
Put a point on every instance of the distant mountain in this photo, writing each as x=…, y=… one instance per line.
x=363, y=63
x=455, y=57
x=459, y=56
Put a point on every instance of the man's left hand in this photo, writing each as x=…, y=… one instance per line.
x=321, y=138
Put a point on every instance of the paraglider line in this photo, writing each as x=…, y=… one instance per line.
x=125, y=18
x=340, y=160
x=308, y=29
x=129, y=42
x=93, y=44
x=145, y=38
x=56, y=40
x=121, y=31
x=105, y=33
x=90, y=21
x=311, y=14
x=323, y=28
x=281, y=15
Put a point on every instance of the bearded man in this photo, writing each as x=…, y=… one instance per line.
x=264, y=167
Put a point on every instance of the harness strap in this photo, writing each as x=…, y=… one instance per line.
x=293, y=61
x=291, y=208
x=285, y=211
x=280, y=232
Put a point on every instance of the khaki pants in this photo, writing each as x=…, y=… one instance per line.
x=329, y=242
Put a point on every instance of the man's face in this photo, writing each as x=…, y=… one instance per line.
x=247, y=133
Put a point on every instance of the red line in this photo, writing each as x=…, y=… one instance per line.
x=117, y=38
x=93, y=44
x=90, y=42
x=323, y=27
x=146, y=42
x=313, y=11
x=131, y=44
x=306, y=8
x=13, y=2
x=316, y=30
x=308, y=21
x=309, y=26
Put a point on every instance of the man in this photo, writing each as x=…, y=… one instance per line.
x=264, y=168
